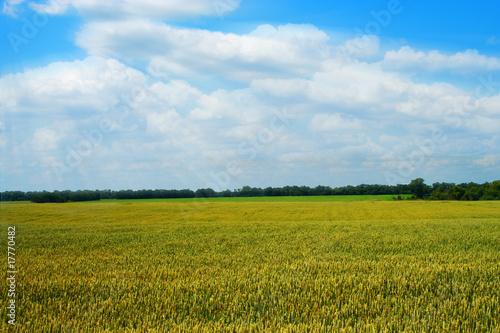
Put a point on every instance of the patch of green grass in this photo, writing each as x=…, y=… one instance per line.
x=323, y=198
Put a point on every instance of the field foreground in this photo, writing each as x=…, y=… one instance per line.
x=369, y=266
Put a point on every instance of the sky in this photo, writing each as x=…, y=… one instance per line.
x=170, y=94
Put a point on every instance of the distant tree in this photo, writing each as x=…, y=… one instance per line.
x=268, y=192
x=14, y=196
x=351, y=190
x=491, y=190
x=471, y=194
x=256, y=192
x=322, y=190
x=246, y=191
x=106, y=194
x=205, y=193
x=438, y=194
x=226, y=194
x=304, y=190
x=295, y=191
x=361, y=189
x=418, y=188
x=457, y=192
x=403, y=189
x=286, y=191
x=186, y=193
x=44, y=197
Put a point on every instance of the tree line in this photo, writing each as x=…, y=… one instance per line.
x=417, y=188
x=450, y=191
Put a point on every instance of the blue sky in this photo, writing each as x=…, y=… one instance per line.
x=227, y=93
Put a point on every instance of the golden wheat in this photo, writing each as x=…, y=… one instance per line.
x=256, y=267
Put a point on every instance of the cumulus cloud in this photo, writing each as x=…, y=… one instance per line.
x=92, y=84
x=369, y=90
x=307, y=157
x=172, y=52
x=489, y=105
x=166, y=122
x=488, y=160
x=361, y=47
x=334, y=93
x=334, y=122
x=45, y=139
x=470, y=61
x=354, y=85
x=117, y=9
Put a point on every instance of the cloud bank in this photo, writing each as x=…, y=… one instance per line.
x=145, y=108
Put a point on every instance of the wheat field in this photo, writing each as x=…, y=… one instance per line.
x=366, y=266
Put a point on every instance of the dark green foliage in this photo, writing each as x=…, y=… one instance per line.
x=248, y=191
x=226, y=194
x=465, y=191
x=84, y=196
x=65, y=196
x=48, y=197
x=417, y=187
x=152, y=194
x=205, y=193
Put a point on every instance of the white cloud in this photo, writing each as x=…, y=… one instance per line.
x=94, y=84
x=240, y=106
x=334, y=122
x=55, y=7
x=310, y=157
x=175, y=131
x=361, y=47
x=45, y=139
x=353, y=85
x=303, y=35
x=368, y=148
x=488, y=160
x=470, y=61
x=9, y=7
x=489, y=105
x=366, y=89
x=481, y=124
x=176, y=126
x=161, y=9
x=176, y=93
x=266, y=52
